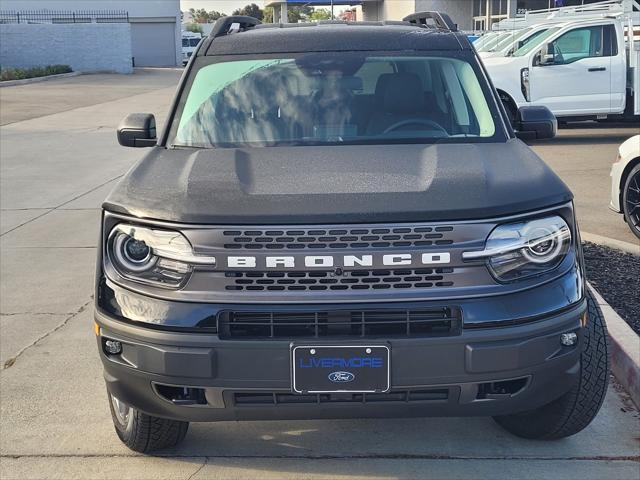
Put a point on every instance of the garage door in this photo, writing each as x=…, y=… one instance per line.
x=154, y=44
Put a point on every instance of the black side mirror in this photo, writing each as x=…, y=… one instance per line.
x=535, y=123
x=137, y=130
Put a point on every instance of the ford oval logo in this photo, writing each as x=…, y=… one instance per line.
x=341, y=377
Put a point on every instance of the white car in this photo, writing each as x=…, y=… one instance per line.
x=625, y=183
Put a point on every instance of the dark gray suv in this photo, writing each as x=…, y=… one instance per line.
x=339, y=221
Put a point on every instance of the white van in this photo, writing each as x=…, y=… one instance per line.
x=190, y=41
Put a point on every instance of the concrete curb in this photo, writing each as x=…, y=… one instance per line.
x=27, y=81
x=625, y=349
x=627, y=247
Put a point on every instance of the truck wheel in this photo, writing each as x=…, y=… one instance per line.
x=631, y=200
x=573, y=411
x=144, y=433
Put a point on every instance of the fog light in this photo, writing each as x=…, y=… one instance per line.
x=112, y=347
x=568, y=339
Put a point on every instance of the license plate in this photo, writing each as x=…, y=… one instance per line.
x=328, y=369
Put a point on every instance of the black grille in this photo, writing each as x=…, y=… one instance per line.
x=355, y=280
x=403, y=396
x=433, y=322
x=355, y=238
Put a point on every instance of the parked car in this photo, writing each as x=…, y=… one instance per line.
x=581, y=70
x=625, y=183
x=515, y=40
x=339, y=221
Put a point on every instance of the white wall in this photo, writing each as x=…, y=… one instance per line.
x=136, y=8
x=139, y=11
x=84, y=47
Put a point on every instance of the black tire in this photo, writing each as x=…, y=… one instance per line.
x=573, y=411
x=144, y=433
x=631, y=200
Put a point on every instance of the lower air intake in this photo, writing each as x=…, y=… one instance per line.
x=378, y=323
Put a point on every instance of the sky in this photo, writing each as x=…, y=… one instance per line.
x=224, y=6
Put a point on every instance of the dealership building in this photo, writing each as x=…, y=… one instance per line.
x=468, y=14
x=91, y=35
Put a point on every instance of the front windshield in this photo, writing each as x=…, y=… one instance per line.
x=509, y=40
x=484, y=39
x=533, y=44
x=334, y=98
x=493, y=41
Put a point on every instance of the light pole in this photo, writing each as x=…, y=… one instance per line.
x=332, y=17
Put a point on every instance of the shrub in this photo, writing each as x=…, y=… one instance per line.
x=22, y=73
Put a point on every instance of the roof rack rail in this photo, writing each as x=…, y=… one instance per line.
x=441, y=20
x=233, y=24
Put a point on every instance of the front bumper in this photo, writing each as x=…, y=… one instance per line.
x=247, y=380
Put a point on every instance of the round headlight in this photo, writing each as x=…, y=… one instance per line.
x=136, y=251
x=520, y=250
x=543, y=245
x=131, y=254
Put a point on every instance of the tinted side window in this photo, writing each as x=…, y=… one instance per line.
x=610, y=41
x=577, y=44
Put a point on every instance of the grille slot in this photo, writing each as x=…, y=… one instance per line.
x=432, y=322
x=327, y=281
x=337, y=239
x=402, y=396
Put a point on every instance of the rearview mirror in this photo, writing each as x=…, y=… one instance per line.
x=535, y=123
x=137, y=130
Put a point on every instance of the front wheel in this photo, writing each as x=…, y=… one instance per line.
x=631, y=200
x=576, y=409
x=144, y=433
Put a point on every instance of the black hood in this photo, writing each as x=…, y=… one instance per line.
x=341, y=184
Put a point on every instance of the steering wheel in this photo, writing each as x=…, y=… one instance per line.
x=415, y=121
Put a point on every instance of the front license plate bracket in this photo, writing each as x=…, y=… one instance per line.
x=340, y=368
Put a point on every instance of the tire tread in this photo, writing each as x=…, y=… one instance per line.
x=573, y=411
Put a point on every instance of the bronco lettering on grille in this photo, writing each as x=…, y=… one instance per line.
x=327, y=261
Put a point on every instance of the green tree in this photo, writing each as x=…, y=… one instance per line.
x=300, y=13
x=268, y=15
x=215, y=15
x=194, y=27
x=320, y=14
x=202, y=16
x=251, y=10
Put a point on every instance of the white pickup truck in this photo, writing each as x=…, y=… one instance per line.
x=580, y=70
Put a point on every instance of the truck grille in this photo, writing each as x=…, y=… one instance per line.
x=355, y=238
x=403, y=396
x=431, y=322
x=356, y=280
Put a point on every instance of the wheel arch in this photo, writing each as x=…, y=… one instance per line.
x=509, y=104
x=623, y=178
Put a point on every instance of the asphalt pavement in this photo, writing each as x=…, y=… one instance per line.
x=56, y=166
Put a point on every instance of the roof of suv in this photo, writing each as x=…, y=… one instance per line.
x=334, y=36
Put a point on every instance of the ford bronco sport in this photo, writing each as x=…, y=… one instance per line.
x=338, y=221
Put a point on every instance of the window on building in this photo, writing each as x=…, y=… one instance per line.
x=479, y=8
x=499, y=7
